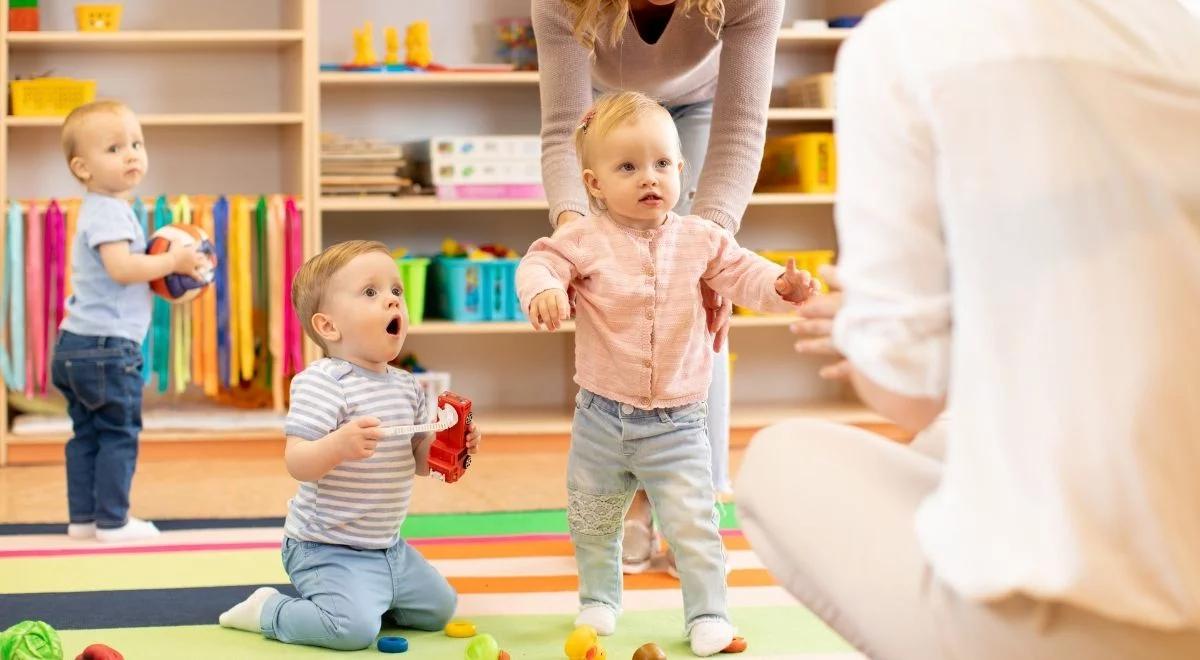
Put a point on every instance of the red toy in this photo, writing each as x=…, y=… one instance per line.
x=448, y=458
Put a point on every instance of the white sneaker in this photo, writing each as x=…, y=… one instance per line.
x=81, y=531
x=134, y=530
x=638, y=543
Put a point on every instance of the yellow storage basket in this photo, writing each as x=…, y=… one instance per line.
x=50, y=97
x=98, y=18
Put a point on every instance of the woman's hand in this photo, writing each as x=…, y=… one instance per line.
x=718, y=311
x=816, y=325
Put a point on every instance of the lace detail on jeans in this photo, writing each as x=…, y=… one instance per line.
x=595, y=515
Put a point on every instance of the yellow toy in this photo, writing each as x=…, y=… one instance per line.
x=583, y=644
x=416, y=44
x=391, y=39
x=364, y=48
x=460, y=629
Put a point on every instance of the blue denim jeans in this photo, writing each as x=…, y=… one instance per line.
x=101, y=378
x=345, y=592
x=614, y=447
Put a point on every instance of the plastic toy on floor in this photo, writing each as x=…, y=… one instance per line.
x=392, y=645
x=584, y=644
x=485, y=647
x=460, y=629
x=649, y=651
x=100, y=652
x=34, y=640
x=738, y=645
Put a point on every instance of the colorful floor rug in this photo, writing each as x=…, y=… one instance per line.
x=514, y=573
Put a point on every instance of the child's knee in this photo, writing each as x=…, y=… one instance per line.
x=445, y=602
x=354, y=633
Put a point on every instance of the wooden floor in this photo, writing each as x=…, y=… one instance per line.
x=248, y=479
x=518, y=478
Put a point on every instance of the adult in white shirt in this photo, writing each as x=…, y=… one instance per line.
x=1019, y=220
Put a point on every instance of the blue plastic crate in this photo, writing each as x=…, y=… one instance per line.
x=461, y=289
x=477, y=290
x=502, y=303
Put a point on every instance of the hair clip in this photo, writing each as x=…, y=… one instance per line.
x=587, y=119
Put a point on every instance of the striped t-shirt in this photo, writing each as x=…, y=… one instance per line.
x=359, y=503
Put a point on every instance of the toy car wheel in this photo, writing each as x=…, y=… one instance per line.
x=466, y=462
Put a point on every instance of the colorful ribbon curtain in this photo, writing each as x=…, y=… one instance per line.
x=237, y=342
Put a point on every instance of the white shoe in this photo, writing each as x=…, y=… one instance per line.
x=599, y=617
x=638, y=543
x=134, y=530
x=81, y=531
x=710, y=636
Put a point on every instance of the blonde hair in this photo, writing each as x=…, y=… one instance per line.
x=609, y=112
x=590, y=16
x=73, y=122
x=308, y=289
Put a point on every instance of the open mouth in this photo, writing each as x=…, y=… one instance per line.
x=650, y=197
x=393, y=326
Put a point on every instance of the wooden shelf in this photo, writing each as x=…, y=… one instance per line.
x=811, y=39
x=154, y=39
x=799, y=114
x=189, y=119
x=435, y=327
x=429, y=203
x=791, y=199
x=342, y=78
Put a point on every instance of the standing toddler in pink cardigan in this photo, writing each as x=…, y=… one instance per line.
x=643, y=355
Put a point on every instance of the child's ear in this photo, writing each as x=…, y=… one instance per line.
x=592, y=184
x=80, y=169
x=325, y=328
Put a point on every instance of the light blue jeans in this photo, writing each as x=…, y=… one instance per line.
x=693, y=122
x=614, y=447
x=345, y=592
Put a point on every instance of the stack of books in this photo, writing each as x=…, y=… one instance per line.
x=363, y=167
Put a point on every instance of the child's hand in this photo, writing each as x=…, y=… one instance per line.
x=796, y=286
x=187, y=260
x=356, y=439
x=473, y=438
x=549, y=309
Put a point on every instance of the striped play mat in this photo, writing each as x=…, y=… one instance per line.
x=514, y=573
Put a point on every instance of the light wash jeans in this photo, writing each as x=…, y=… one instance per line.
x=345, y=592
x=693, y=122
x=615, y=446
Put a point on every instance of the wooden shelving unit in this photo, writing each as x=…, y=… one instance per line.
x=292, y=47
x=181, y=119
x=66, y=40
x=430, y=203
x=293, y=43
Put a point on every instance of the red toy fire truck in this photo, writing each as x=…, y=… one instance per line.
x=448, y=458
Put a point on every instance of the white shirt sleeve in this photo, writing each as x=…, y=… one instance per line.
x=894, y=325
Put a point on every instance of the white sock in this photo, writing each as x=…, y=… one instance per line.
x=134, y=530
x=82, y=530
x=599, y=617
x=247, y=614
x=711, y=636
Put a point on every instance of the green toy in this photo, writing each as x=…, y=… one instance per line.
x=483, y=647
x=30, y=640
